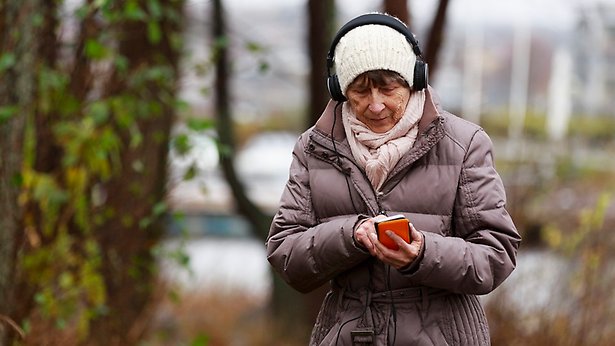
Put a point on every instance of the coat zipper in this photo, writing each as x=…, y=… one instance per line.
x=379, y=195
x=335, y=161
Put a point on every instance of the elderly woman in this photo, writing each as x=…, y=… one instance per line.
x=386, y=147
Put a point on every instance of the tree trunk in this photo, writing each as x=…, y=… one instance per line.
x=321, y=18
x=18, y=43
x=293, y=310
x=436, y=34
x=28, y=44
x=431, y=51
x=224, y=125
x=127, y=239
x=398, y=8
x=46, y=154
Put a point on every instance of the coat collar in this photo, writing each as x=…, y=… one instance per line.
x=430, y=132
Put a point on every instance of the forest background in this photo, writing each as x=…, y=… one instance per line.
x=91, y=100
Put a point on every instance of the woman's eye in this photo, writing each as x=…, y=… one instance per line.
x=360, y=91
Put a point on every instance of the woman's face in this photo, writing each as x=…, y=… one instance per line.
x=378, y=99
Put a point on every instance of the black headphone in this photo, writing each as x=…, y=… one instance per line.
x=420, y=67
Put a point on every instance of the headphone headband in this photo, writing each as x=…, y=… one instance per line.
x=374, y=19
x=420, y=67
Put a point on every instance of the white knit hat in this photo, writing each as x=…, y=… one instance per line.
x=373, y=47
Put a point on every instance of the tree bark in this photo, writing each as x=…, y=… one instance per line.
x=18, y=43
x=129, y=266
x=321, y=18
x=436, y=34
x=399, y=9
x=46, y=154
x=224, y=125
x=294, y=311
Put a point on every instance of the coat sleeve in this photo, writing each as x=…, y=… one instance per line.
x=482, y=253
x=304, y=251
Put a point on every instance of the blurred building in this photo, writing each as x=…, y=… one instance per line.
x=593, y=47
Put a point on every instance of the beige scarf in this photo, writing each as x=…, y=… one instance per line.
x=378, y=153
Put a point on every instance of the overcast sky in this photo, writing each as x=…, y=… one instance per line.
x=555, y=13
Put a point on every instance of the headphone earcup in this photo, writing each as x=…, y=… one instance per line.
x=335, y=90
x=420, y=75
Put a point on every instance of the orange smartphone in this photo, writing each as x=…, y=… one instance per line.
x=396, y=223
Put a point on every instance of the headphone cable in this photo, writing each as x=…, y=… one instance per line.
x=367, y=303
x=393, y=309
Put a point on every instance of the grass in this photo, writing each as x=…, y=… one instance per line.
x=217, y=319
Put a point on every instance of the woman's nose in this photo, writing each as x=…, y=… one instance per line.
x=376, y=104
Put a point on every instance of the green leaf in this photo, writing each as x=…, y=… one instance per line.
x=200, y=124
x=7, y=112
x=181, y=144
x=181, y=106
x=7, y=60
x=132, y=11
x=66, y=280
x=174, y=296
x=121, y=63
x=145, y=222
x=191, y=172
x=200, y=340
x=263, y=66
x=40, y=298
x=100, y=3
x=159, y=208
x=154, y=8
x=221, y=42
x=136, y=137
x=182, y=258
x=38, y=19
x=254, y=47
x=46, y=189
x=95, y=50
x=154, y=33
x=26, y=326
x=99, y=111
x=224, y=150
x=61, y=323
x=17, y=180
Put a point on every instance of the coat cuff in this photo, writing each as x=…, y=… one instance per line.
x=414, y=265
x=362, y=218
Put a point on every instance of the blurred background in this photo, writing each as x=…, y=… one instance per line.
x=145, y=145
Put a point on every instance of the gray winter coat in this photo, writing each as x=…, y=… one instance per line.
x=448, y=188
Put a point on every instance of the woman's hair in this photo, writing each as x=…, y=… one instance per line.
x=378, y=78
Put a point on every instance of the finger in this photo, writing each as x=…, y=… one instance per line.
x=365, y=240
x=378, y=246
x=414, y=233
x=370, y=243
x=401, y=243
x=385, y=254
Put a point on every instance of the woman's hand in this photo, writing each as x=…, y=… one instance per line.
x=365, y=235
x=361, y=234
